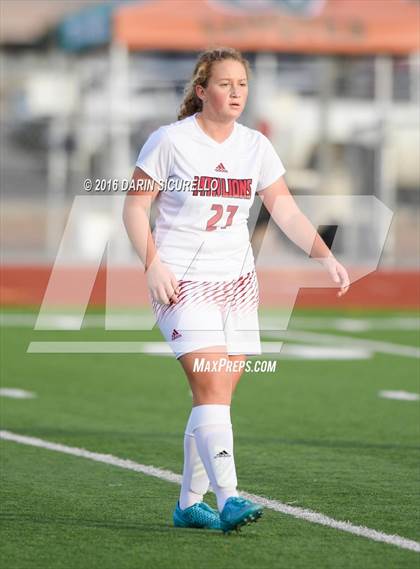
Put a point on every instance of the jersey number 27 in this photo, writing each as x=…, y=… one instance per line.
x=218, y=208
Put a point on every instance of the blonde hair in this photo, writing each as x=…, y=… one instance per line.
x=191, y=103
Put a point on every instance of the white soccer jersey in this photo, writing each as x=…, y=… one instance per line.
x=201, y=229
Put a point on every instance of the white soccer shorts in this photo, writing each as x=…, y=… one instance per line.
x=219, y=313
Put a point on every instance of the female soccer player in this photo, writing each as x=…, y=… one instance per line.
x=204, y=171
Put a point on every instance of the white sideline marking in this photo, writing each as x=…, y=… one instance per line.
x=68, y=322
x=146, y=321
x=401, y=395
x=346, y=324
x=330, y=339
x=85, y=347
x=288, y=351
x=302, y=513
x=16, y=393
x=314, y=517
x=305, y=352
x=272, y=349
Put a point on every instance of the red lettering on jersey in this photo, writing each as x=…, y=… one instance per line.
x=197, y=186
x=208, y=186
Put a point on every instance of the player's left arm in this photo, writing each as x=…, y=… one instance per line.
x=285, y=212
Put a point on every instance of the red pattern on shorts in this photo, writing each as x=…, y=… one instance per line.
x=237, y=295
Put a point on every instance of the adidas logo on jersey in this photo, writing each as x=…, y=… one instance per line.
x=222, y=454
x=220, y=168
x=176, y=334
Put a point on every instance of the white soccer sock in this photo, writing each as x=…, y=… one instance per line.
x=214, y=439
x=195, y=482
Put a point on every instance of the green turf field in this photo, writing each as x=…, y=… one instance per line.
x=315, y=434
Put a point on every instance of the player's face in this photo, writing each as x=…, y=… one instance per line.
x=227, y=90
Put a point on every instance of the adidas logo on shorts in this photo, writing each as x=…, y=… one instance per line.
x=220, y=168
x=222, y=454
x=176, y=334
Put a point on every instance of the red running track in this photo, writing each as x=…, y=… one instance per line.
x=26, y=286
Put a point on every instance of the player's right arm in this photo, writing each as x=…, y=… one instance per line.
x=161, y=282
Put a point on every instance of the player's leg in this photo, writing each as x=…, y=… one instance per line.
x=211, y=374
x=242, y=336
x=241, y=359
x=205, y=386
x=211, y=426
x=195, y=481
x=215, y=389
x=210, y=420
x=186, y=333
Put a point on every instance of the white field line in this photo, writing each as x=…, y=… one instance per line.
x=316, y=518
x=146, y=321
x=105, y=347
x=127, y=347
x=349, y=341
x=169, y=476
x=71, y=322
x=400, y=395
x=346, y=324
x=288, y=351
x=15, y=393
x=271, y=349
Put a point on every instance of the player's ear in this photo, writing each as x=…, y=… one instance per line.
x=200, y=92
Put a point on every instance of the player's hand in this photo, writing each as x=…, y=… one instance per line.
x=162, y=283
x=337, y=272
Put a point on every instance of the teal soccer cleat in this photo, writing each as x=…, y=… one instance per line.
x=238, y=512
x=199, y=515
